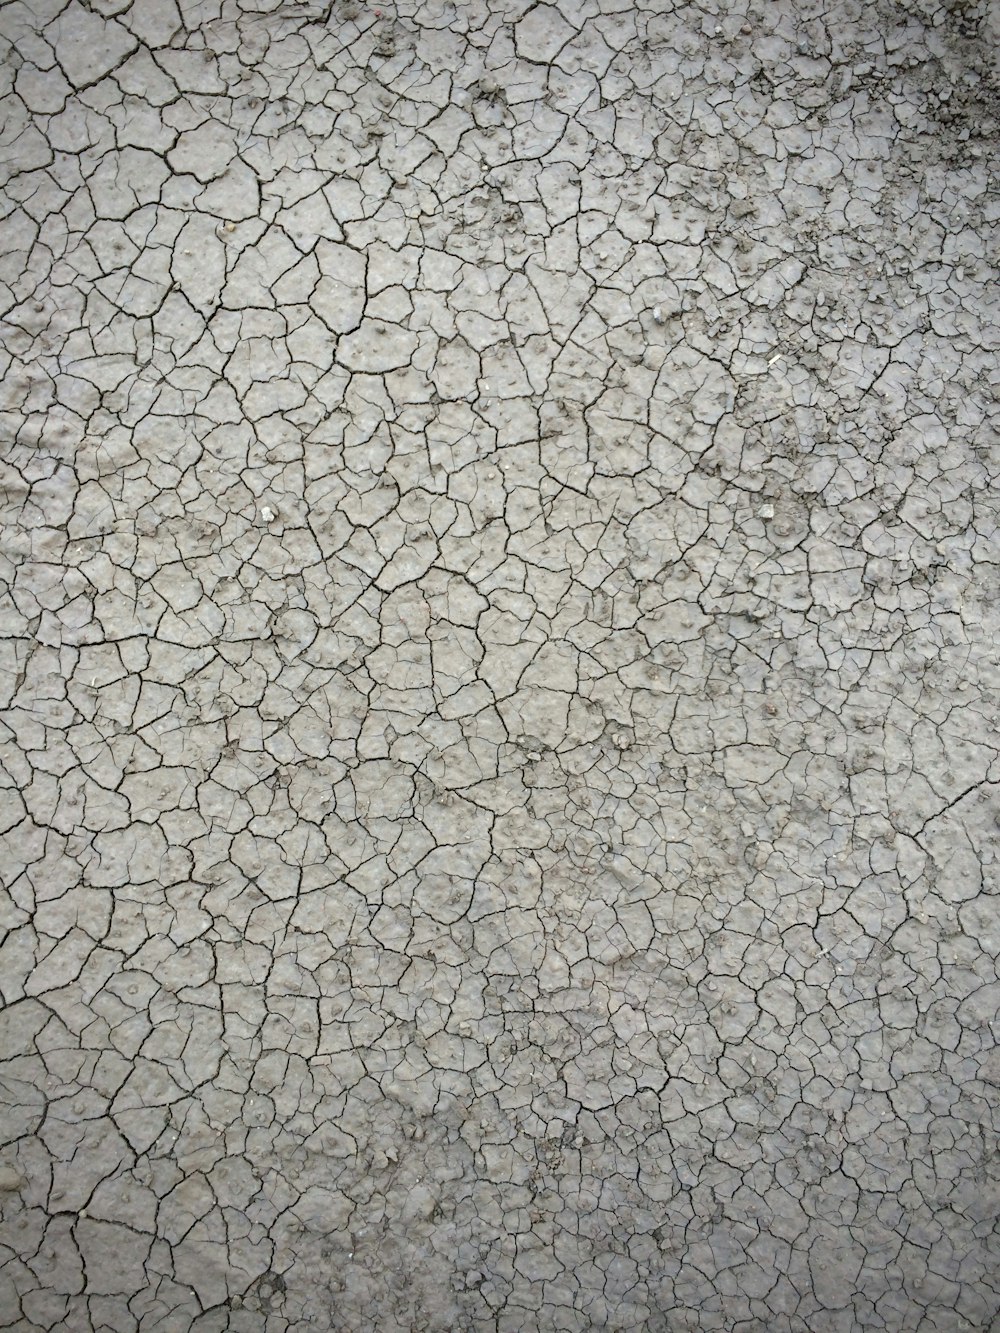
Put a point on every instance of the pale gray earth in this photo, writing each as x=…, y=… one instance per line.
x=499, y=666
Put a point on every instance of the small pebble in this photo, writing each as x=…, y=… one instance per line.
x=10, y=1180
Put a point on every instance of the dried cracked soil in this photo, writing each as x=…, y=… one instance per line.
x=499, y=673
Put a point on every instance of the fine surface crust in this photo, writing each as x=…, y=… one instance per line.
x=498, y=666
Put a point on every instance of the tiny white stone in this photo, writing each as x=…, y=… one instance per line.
x=657, y=314
x=267, y=514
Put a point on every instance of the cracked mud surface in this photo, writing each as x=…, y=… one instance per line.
x=499, y=667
